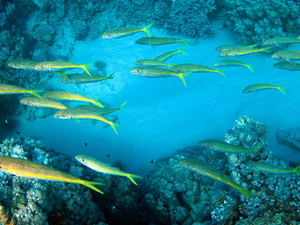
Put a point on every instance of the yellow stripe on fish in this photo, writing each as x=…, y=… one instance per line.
x=83, y=114
x=81, y=78
x=38, y=102
x=102, y=167
x=263, y=86
x=24, y=64
x=166, y=55
x=207, y=170
x=289, y=55
x=6, y=89
x=102, y=111
x=233, y=62
x=287, y=65
x=122, y=32
x=226, y=147
x=60, y=65
x=28, y=169
x=161, y=41
x=195, y=68
x=158, y=72
x=281, y=40
x=243, y=51
x=70, y=96
x=152, y=62
x=269, y=168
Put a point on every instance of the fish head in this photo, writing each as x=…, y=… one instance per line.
x=81, y=159
x=225, y=54
x=108, y=35
x=135, y=70
x=246, y=90
x=26, y=101
x=62, y=115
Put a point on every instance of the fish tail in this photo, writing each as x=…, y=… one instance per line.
x=182, y=75
x=63, y=74
x=257, y=147
x=121, y=106
x=281, y=88
x=267, y=49
x=250, y=67
x=253, y=46
x=90, y=184
x=245, y=192
x=131, y=176
x=146, y=29
x=95, y=102
x=85, y=68
x=181, y=50
x=35, y=93
x=184, y=41
x=221, y=72
x=297, y=170
x=113, y=126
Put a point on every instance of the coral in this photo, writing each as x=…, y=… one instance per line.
x=43, y=32
x=290, y=138
x=256, y=21
x=190, y=18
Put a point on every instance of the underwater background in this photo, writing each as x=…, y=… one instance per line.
x=162, y=121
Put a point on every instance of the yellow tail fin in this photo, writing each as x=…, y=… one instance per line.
x=85, y=68
x=90, y=184
x=146, y=29
x=131, y=176
x=35, y=93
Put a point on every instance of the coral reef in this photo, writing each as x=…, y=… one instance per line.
x=176, y=195
x=256, y=21
x=289, y=138
x=32, y=201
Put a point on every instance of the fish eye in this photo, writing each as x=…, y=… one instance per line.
x=137, y=71
x=208, y=144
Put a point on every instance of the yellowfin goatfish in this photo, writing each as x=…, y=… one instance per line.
x=101, y=111
x=268, y=168
x=226, y=147
x=80, y=78
x=195, y=68
x=24, y=64
x=233, y=62
x=12, y=89
x=207, y=170
x=281, y=40
x=47, y=103
x=59, y=66
x=230, y=46
x=158, y=72
x=151, y=62
x=263, y=86
x=161, y=41
x=83, y=114
x=122, y=32
x=286, y=65
x=70, y=96
x=102, y=167
x=243, y=51
x=166, y=55
x=28, y=169
x=289, y=55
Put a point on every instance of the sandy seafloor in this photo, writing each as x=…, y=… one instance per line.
x=162, y=115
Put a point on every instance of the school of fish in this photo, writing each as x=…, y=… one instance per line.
x=150, y=68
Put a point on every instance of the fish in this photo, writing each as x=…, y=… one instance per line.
x=263, y=86
x=60, y=66
x=28, y=169
x=83, y=114
x=84, y=144
x=163, y=57
x=289, y=55
x=102, y=111
x=81, y=78
x=38, y=102
x=287, y=65
x=233, y=62
x=122, y=32
x=161, y=41
x=152, y=161
x=12, y=89
x=158, y=72
x=207, y=170
x=230, y=46
x=281, y=40
x=152, y=62
x=102, y=167
x=195, y=68
x=243, y=51
x=108, y=155
x=226, y=147
x=24, y=64
x=269, y=168
x=70, y=96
